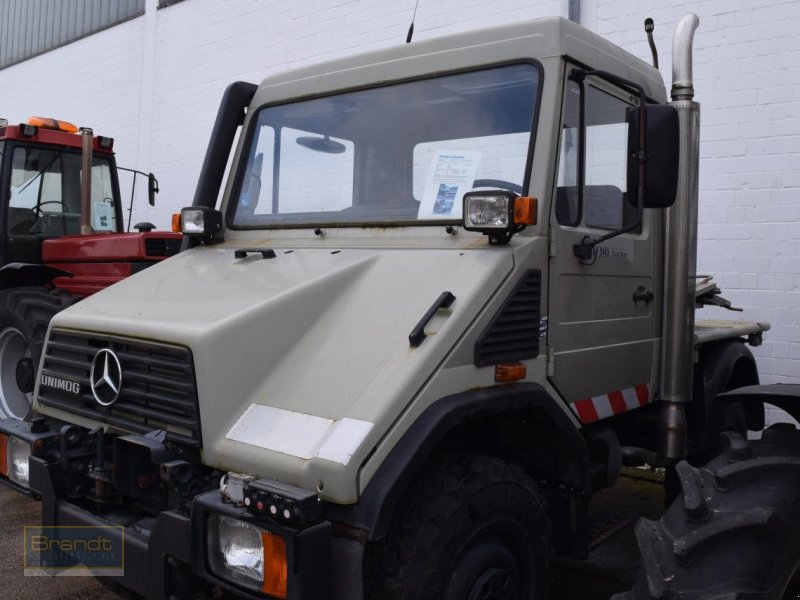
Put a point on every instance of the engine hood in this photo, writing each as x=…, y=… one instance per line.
x=302, y=360
x=112, y=246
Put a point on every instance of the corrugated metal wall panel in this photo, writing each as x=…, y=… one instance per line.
x=31, y=27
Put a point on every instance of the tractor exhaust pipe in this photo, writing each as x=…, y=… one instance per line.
x=677, y=359
x=86, y=180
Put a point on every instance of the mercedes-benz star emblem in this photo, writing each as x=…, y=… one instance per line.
x=105, y=378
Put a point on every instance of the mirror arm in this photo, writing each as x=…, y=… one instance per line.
x=133, y=189
x=585, y=249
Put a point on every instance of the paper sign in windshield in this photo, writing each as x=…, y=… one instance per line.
x=103, y=215
x=451, y=175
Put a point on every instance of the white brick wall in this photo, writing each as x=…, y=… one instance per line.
x=747, y=79
x=154, y=83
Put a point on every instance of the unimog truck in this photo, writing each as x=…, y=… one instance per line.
x=448, y=292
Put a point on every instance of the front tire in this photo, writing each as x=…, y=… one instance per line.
x=734, y=532
x=25, y=313
x=471, y=527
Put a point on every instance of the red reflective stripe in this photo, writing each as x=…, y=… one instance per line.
x=643, y=394
x=586, y=411
x=617, y=402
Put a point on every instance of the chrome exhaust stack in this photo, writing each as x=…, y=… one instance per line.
x=87, y=139
x=680, y=268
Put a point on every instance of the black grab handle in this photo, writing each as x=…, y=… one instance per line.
x=242, y=252
x=417, y=335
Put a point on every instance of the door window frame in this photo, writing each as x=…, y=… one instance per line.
x=606, y=87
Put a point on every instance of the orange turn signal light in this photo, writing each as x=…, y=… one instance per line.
x=47, y=123
x=276, y=571
x=176, y=222
x=525, y=209
x=506, y=372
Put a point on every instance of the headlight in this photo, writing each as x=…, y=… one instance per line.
x=487, y=211
x=201, y=222
x=498, y=213
x=15, y=457
x=19, y=454
x=247, y=556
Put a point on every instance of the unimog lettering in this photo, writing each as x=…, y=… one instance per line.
x=58, y=383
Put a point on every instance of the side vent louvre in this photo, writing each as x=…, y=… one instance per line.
x=513, y=334
x=161, y=247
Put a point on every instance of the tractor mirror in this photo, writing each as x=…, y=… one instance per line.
x=152, y=188
x=661, y=156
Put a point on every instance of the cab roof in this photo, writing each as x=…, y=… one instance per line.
x=537, y=40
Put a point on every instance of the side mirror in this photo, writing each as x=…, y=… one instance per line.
x=661, y=165
x=152, y=188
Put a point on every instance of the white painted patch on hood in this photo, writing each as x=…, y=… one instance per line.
x=298, y=434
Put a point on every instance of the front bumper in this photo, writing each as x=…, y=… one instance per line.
x=164, y=556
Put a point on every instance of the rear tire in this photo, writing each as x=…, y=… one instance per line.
x=472, y=527
x=734, y=532
x=25, y=313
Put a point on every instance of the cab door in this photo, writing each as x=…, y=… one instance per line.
x=604, y=323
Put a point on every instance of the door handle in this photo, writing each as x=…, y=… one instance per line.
x=643, y=295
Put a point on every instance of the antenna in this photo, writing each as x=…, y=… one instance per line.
x=649, y=26
x=411, y=29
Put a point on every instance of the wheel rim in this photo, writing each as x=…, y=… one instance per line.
x=495, y=584
x=492, y=568
x=13, y=347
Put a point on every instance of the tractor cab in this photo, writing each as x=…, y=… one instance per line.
x=41, y=187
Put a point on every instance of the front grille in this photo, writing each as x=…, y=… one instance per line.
x=158, y=390
x=162, y=246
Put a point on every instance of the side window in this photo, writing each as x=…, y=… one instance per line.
x=605, y=160
x=568, y=204
x=593, y=160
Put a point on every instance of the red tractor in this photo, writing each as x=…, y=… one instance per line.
x=62, y=238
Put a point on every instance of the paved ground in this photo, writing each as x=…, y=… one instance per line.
x=16, y=512
x=611, y=566
x=613, y=556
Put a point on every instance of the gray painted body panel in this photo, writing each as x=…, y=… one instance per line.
x=311, y=332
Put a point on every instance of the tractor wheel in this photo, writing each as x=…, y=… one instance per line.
x=25, y=313
x=471, y=527
x=734, y=533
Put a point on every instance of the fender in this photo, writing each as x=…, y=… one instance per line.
x=725, y=365
x=384, y=491
x=785, y=396
x=20, y=274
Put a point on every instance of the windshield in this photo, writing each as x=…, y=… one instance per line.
x=45, y=196
x=391, y=155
